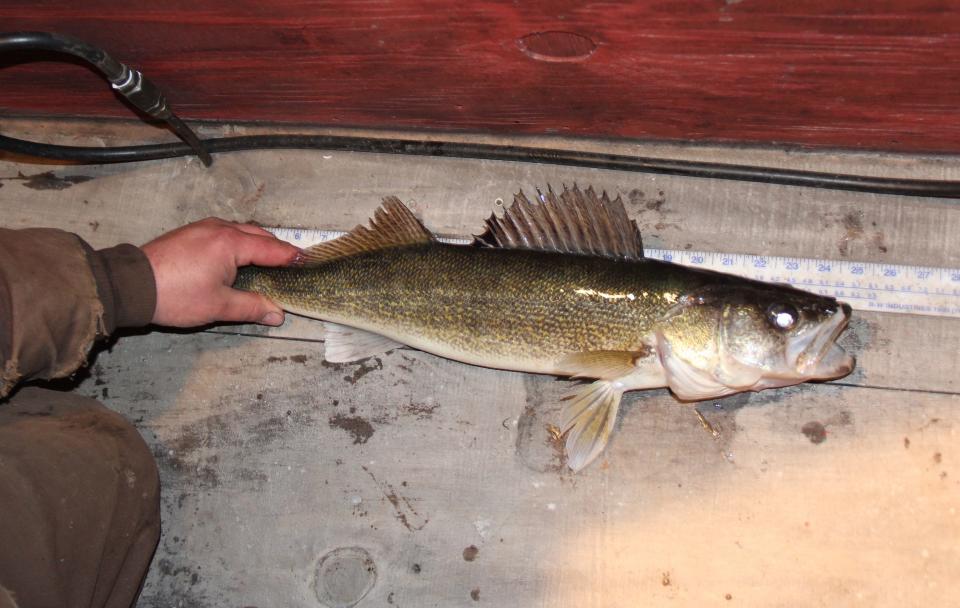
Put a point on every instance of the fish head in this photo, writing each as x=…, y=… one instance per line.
x=751, y=337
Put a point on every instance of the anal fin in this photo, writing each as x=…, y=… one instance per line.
x=345, y=344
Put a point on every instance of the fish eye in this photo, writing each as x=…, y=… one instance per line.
x=782, y=316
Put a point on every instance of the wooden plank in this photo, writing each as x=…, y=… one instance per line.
x=447, y=477
x=818, y=72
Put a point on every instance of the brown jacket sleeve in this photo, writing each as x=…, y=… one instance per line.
x=57, y=295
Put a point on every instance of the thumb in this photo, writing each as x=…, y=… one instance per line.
x=245, y=306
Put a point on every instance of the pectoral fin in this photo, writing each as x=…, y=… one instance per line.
x=345, y=344
x=604, y=364
x=588, y=420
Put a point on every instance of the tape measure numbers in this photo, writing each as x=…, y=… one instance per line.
x=864, y=285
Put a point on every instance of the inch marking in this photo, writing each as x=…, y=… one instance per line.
x=872, y=286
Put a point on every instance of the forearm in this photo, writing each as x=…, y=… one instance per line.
x=125, y=286
x=57, y=296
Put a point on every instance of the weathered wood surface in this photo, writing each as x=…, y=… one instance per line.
x=271, y=459
x=844, y=73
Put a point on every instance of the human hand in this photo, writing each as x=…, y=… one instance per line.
x=195, y=266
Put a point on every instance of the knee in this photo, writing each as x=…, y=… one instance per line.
x=73, y=431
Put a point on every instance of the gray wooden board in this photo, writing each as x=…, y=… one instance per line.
x=266, y=469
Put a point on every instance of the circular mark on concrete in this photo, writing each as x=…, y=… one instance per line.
x=344, y=577
x=556, y=46
x=814, y=431
x=470, y=553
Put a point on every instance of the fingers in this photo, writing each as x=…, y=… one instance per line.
x=250, y=248
x=247, y=307
x=252, y=229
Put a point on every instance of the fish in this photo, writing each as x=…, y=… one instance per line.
x=559, y=285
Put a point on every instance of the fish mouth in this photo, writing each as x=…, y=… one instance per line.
x=818, y=356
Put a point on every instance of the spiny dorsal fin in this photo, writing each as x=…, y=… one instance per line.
x=573, y=222
x=393, y=225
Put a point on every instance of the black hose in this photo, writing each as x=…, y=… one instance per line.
x=147, y=97
x=130, y=83
x=448, y=149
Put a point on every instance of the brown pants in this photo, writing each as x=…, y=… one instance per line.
x=79, y=503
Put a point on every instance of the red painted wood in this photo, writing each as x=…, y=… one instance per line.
x=880, y=74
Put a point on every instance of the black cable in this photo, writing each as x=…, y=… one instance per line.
x=448, y=149
x=148, y=98
x=130, y=83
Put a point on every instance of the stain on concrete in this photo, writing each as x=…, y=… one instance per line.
x=292, y=358
x=853, y=230
x=258, y=478
x=879, y=241
x=470, y=553
x=814, y=431
x=841, y=418
x=859, y=334
x=200, y=474
x=180, y=585
x=538, y=448
x=268, y=430
x=403, y=508
x=852, y=223
x=420, y=410
x=359, y=428
x=475, y=594
x=639, y=202
x=364, y=367
x=48, y=180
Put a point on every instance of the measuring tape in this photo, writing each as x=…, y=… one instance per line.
x=917, y=290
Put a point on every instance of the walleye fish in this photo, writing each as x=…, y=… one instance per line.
x=559, y=286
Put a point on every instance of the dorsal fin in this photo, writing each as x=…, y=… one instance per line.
x=573, y=222
x=393, y=225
